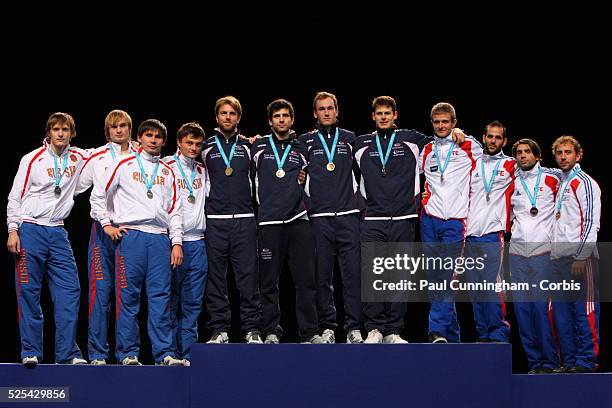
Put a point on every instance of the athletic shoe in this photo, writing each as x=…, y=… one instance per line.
x=30, y=361
x=131, y=360
x=577, y=369
x=171, y=361
x=98, y=361
x=374, y=337
x=328, y=336
x=219, y=338
x=316, y=339
x=186, y=363
x=541, y=370
x=271, y=339
x=77, y=361
x=436, y=337
x=253, y=337
x=354, y=337
x=394, y=339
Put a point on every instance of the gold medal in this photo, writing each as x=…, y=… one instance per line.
x=280, y=173
x=191, y=199
x=330, y=166
x=229, y=171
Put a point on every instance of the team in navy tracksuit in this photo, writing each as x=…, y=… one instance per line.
x=575, y=257
x=391, y=191
x=39, y=201
x=284, y=232
x=334, y=218
x=231, y=234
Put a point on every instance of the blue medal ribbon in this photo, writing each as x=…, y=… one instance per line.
x=193, y=174
x=58, y=174
x=441, y=167
x=148, y=182
x=532, y=198
x=279, y=162
x=384, y=158
x=112, y=151
x=328, y=153
x=222, y=152
x=573, y=174
x=488, y=184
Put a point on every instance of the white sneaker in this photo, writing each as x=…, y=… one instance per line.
x=316, y=339
x=171, y=361
x=394, y=339
x=186, y=363
x=253, y=337
x=98, y=361
x=328, y=336
x=219, y=338
x=29, y=361
x=374, y=337
x=77, y=361
x=131, y=360
x=354, y=337
x=271, y=339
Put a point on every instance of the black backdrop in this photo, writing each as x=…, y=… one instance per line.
x=541, y=80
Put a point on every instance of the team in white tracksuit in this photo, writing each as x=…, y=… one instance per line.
x=189, y=279
x=40, y=199
x=491, y=188
x=143, y=199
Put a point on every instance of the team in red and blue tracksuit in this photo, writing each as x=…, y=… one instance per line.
x=491, y=188
x=39, y=201
x=189, y=278
x=334, y=218
x=448, y=167
x=575, y=257
x=139, y=205
x=533, y=203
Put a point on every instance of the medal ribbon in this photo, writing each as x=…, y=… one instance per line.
x=328, y=153
x=573, y=174
x=533, y=199
x=384, y=159
x=58, y=174
x=148, y=183
x=279, y=162
x=193, y=174
x=448, y=156
x=222, y=152
x=489, y=184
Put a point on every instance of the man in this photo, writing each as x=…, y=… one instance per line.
x=575, y=257
x=39, y=201
x=189, y=279
x=139, y=195
x=533, y=205
x=284, y=234
x=231, y=226
x=447, y=166
x=488, y=219
x=387, y=159
x=101, y=251
x=334, y=216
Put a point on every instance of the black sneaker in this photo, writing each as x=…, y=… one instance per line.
x=541, y=370
x=437, y=337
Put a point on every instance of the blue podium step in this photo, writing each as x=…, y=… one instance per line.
x=319, y=376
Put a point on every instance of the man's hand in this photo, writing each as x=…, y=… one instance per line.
x=302, y=177
x=176, y=258
x=13, y=243
x=458, y=135
x=578, y=268
x=115, y=233
x=424, y=195
x=251, y=139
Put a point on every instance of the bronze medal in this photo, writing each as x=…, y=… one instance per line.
x=149, y=194
x=57, y=190
x=558, y=215
x=191, y=199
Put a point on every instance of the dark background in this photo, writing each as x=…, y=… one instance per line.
x=542, y=78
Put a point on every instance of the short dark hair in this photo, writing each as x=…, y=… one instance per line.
x=279, y=104
x=533, y=145
x=191, y=128
x=153, y=124
x=496, y=123
x=384, y=101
